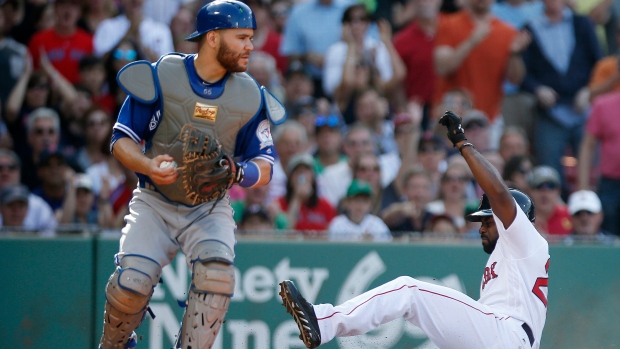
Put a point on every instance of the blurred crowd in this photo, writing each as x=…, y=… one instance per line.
x=364, y=82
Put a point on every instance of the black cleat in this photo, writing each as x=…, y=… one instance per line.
x=303, y=314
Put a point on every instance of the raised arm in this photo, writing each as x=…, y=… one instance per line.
x=486, y=175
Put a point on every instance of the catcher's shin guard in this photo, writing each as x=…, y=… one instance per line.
x=213, y=282
x=127, y=295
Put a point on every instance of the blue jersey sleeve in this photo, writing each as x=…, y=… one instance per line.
x=137, y=121
x=254, y=139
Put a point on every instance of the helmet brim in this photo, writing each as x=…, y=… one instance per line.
x=477, y=216
x=194, y=37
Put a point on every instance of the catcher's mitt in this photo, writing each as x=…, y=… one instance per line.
x=207, y=172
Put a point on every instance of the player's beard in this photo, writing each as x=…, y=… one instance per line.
x=489, y=247
x=229, y=60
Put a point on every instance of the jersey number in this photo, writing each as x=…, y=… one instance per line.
x=542, y=282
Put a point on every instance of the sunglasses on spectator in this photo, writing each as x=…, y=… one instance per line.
x=356, y=143
x=430, y=148
x=129, y=55
x=546, y=185
x=475, y=124
x=42, y=131
x=96, y=123
x=358, y=19
x=9, y=167
x=41, y=86
x=455, y=178
x=331, y=121
x=368, y=168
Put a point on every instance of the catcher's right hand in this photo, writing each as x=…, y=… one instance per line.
x=453, y=124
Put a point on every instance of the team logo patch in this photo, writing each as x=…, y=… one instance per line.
x=263, y=132
x=205, y=111
x=154, y=120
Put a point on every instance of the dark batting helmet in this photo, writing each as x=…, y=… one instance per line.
x=522, y=199
x=222, y=14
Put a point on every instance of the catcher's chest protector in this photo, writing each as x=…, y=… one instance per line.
x=220, y=118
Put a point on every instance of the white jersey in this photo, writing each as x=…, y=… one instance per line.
x=515, y=278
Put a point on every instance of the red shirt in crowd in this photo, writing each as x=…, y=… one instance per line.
x=312, y=218
x=64, y=52
x=415, y=48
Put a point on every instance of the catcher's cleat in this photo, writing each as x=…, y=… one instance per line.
x=303, y=314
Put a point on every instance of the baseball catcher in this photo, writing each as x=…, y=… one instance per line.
x=191, y=127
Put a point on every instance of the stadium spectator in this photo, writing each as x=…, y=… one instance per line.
x=559, y=63
x=366, y=167
x=125, y=52
x=602, y=129
x=516, y=172
x=478, y=52
x=606, y=73
x=328, y=142
x=255, y=221
x=289, y=139
x=82, y=207
x=477, y=125
x=279, y=11
x=372, y=110
x=43, y=135
x=64, y=44
x=432, y=156
x=442, y=224
x=411, y=215
x=357, y=223
x=586, y=213
x=164, y=10
x=357, y=53
x=452, y=197
x=93, y=78
x=14, y=208
x=13, y=60
x=153, y=38
x=181, y=26
x=415, y=44
x=94, y=12
x=298, y=84
x=335, y=179
x=266, y=39
x=40, y=216
x=97, y=125
x=513, y=142
x=262, y=67
x=305, y=111
x=310, y=29
x=552, y=215
x=305, y=209
x=256, y=200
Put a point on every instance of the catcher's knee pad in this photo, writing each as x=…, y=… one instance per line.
x=127, y=295
x=213, y=282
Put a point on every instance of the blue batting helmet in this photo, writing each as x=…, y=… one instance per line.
x=522, y=199
x=222, y=14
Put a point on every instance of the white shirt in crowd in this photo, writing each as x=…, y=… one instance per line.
x=343, y=229
x=156, y=36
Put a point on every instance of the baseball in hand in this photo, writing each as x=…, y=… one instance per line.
x=168, y=164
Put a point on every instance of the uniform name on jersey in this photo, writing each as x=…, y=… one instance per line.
x=205, y=111
x=489, y=274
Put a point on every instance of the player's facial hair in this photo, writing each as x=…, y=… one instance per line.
x=490, y=246
x=229, y=59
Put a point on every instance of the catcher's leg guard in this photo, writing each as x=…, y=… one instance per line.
x=127, y=295
x=213, y=282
